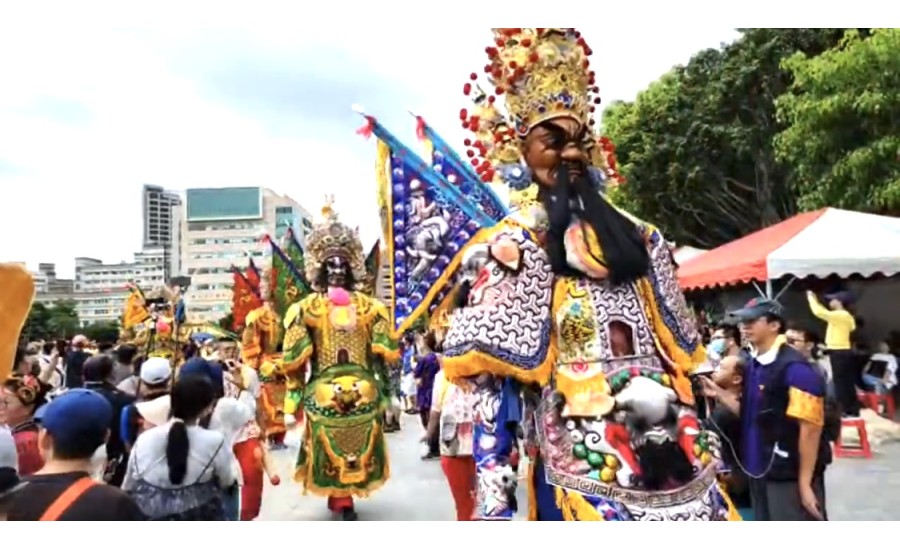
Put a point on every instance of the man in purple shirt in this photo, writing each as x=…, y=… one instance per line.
x=782, y=412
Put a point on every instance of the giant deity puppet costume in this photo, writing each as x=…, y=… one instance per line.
x=155, y=322
x=336, y=347
x=563, y=297
x=259, y=350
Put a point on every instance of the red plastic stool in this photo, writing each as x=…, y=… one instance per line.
x=876, y=402
x=865, y=399
x=863, y=450
x=886, y=401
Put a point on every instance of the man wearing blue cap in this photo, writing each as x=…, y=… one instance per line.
x=782, y=410
x=73, y=426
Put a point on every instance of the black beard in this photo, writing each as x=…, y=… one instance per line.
x=624, y=250
x=461, y=299
x=662, y=463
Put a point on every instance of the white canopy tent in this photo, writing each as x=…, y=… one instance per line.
x=685, y=253
x=843, y=243
x=813, y=244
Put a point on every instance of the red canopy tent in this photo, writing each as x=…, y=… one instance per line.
x=745, y=259
x=822, y=243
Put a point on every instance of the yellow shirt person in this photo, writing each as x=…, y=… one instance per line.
x=841, y=323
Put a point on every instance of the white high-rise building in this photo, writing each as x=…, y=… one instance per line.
x=225, y=227
x=48, y=289
x=100, y=290
x=160, y=221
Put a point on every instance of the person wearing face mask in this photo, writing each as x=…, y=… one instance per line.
x=782, y=409
x=725, y=342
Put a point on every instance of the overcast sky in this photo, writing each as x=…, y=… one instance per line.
x=87, y=117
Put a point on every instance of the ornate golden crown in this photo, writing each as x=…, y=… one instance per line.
x=543, y=74
x=331, y=238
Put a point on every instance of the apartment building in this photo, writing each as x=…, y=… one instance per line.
x=100, y=290
x=225, y=227
x=161, y=221
x=50, y=289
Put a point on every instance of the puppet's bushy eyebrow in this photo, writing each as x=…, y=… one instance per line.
x=560, y=133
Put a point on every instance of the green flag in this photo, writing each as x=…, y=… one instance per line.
x=294, y=252
x=287, y=282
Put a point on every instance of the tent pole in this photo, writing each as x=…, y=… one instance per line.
x=769, y=291
x=785, y=288
x=758, y=290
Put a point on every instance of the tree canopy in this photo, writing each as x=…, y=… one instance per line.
x=50, y=322
x=60, y=321
x=841, y=120
x=104, y=331
x=696, y=147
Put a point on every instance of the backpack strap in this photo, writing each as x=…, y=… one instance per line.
x=211, y=460
x=68, y=497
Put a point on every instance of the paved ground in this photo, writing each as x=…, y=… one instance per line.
x=857, y=489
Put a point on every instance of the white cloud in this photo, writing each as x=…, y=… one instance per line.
x=87, y=117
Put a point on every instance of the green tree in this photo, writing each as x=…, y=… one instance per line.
x=842, y=124
x=36, y=324
x=62, y=321
x=696, y=146
x=104, y=331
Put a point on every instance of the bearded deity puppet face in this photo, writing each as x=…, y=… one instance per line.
x=336, y=272
x=556, y=148
x=558, y=153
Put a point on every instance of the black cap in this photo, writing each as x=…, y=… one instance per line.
x=756, y=309
x=845, y=297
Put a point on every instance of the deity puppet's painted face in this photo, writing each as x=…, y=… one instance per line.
x=337, y=272
x=556, y=143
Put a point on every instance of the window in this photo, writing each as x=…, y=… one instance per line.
x=218, y=204
x=224, y=226
x=226, y=240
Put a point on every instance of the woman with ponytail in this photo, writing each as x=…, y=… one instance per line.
x=177, y=470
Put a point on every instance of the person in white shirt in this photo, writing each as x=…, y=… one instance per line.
x=229, y=417
x=452, y=416
x=242, y=383
x=179, y=470
x=881, y=373
x=51, y=365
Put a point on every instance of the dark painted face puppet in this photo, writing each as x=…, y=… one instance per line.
x=337, y=273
